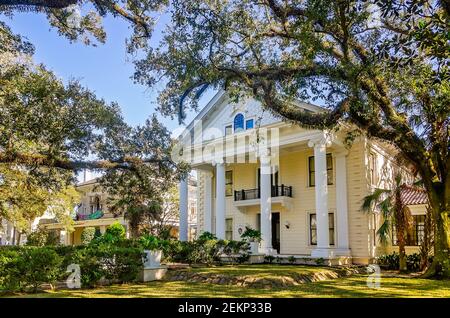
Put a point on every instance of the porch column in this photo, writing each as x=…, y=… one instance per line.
x=183, y=228
x=220, y=201
x=102, y=229
x=207, y=217
x=341, y=204
x=266, y=205
x=321, y=191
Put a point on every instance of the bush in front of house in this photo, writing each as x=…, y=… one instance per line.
x=28, y=268
x=106, y=262
x=391, y=261
x=87, y=235
x=43, y=237
x=207, y=249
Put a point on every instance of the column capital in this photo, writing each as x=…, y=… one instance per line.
x=217, y=161
x=323, y=140
x=340, y=153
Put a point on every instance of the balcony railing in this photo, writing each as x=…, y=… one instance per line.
x=251, y=194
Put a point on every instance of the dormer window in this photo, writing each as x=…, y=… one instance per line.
x=238, y=123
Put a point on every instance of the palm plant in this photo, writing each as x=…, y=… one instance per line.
x=395, y=214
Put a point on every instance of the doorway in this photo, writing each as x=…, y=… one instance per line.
x=276, y=231
x=276, y=237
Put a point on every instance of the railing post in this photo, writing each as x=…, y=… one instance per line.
x=290, y=191
x=243, y=194
x=282, y=190
x=235, y=195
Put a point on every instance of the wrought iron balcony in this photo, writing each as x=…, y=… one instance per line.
x=252, y=194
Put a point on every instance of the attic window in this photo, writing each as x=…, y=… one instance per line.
x=238, y=123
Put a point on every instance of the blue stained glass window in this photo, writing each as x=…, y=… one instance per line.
x=249, y=124
x=238, y=123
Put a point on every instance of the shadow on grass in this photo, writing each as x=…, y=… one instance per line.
x=351, y=287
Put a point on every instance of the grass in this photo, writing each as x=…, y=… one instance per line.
x=354, y=286
x=259, y=271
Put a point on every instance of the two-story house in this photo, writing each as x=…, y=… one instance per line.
x=302, y=188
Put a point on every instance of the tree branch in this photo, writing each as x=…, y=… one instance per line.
x=126, y=163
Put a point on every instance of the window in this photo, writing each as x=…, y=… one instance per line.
x=313, y=228
x=249, y=124
x=415, y=238
x=228, y=229
x=238, y=123
x=229, y=183
x=228, y=130
x=312, y=177
x=373, y=168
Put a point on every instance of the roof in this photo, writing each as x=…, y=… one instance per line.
x=412, y=195
x=222, y=95
x=87, y=182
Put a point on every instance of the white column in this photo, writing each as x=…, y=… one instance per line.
x=220, y=201
x=183, y=229
x=266, y=206
x=207, y=217
x=321, y=191
x=341, y=204
x=102, y=229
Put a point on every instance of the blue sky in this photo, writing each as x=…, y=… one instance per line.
x=105, y=69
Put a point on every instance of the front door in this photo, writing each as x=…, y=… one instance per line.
x=275, y=229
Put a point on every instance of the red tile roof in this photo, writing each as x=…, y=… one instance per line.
x=412, y=195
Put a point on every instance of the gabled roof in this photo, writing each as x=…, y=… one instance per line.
x=221, y=95
x=411, y=195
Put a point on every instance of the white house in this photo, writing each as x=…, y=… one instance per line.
x=302, y=188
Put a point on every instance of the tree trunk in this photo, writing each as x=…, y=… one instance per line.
x=134, y=231
x=401, y=250
x=441, y=260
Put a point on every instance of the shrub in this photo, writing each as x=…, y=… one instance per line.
x=87, y=235
x=237, y=251
x=152, y=243
x=413, y=262
x=177, y=251
x=205, y=250
x=320, y=261
x=206, y=236
x=391, y=261
x=106, y=261
x=251, y=235
x=114, y=234
x=269, y=259
x=292, y=259
x=9, y=271
x=42, y=237
x=38, y=266
x=28, y=267
x=24, y=267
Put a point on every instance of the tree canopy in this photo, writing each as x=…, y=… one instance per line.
x=382, y=65
x=50, y=130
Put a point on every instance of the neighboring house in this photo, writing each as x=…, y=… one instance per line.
x=302, y=188
x=417, y=201
x=93, y=212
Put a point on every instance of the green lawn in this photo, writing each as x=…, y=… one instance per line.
x=354, y=286
x=345, y=287
x=260, y=271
